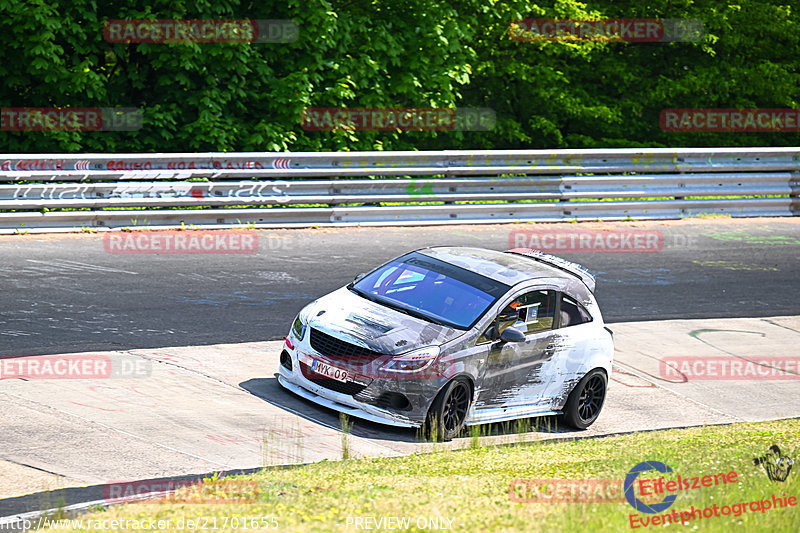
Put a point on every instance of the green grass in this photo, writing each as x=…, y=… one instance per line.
x=471, y=486
x=428, y=200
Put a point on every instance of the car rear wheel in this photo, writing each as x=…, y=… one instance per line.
x=586, y=400
x=449, y=411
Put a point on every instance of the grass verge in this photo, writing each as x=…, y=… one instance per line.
x=468, y=490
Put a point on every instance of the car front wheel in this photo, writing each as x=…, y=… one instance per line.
x=449, y=411
x=586, y=400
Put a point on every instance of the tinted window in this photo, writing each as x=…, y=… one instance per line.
x=432, y=289
x=573, y=313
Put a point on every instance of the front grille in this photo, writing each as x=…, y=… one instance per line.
x=351, y=387
x=334, y=348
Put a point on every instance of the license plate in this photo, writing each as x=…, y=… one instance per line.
x=331, y=372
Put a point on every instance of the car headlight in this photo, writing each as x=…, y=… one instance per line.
x=412, y=361
x=299, y=325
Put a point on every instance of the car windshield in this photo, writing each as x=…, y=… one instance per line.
x=431, y=289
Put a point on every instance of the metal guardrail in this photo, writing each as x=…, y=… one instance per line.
x=524, y=185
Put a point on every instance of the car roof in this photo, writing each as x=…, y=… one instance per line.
x=506, y=268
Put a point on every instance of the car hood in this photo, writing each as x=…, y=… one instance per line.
x=350, y=317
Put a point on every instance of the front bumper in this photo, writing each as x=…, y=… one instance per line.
x=419, y=392
x=344, y=404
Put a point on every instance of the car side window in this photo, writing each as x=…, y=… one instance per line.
x=530, y=313
x=573, y=313
x=536, y=311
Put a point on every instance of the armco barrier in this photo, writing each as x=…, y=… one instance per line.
x=40, y=193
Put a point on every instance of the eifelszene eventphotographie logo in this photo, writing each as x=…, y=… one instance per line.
x=777, y=465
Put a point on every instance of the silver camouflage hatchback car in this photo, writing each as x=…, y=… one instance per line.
x=447, y=336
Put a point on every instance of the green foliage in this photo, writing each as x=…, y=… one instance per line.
x=375, y=53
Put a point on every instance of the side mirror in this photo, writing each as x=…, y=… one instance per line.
x=358, y=277
x=512, y=335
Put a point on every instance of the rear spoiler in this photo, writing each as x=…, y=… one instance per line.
x=556, y=262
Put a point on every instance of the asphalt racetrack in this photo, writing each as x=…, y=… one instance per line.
x=207, y=327
x=66, y=293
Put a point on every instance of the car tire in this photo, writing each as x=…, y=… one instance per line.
x=449, y=411
x=586, y=400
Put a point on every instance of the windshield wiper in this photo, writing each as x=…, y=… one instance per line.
x=429, y=318
x=361, y=293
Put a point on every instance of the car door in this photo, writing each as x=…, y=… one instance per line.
x=518, y=374
x=574, y=343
